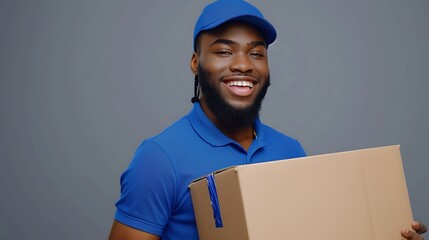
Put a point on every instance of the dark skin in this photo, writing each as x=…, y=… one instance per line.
x=232, y=48
x=241, y=49
x=235, y=48
x=415, y=234
x=123, y=232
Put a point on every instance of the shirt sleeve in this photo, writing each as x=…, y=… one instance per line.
x=148, y=190
x=300, y=150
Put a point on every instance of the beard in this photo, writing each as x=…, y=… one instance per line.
x=231, y=117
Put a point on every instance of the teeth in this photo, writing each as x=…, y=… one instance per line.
x=241, y=84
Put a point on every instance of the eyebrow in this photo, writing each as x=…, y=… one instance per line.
x=224, y=41
x=259, y=43
x=230, y=42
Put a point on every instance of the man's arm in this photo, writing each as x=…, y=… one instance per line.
x=123, y=232
x=418, y=227
x=147, y=195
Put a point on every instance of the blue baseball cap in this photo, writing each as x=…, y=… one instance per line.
x=222, y=11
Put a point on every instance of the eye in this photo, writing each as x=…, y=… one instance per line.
x=257, y=54
x=223, y=52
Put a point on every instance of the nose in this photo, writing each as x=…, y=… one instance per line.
x=241, y=63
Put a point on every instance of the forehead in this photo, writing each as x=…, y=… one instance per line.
x=236, y=31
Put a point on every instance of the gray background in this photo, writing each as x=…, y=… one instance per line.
x=83, y=82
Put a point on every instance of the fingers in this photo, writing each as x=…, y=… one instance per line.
x=410, y=235
x=419, y=227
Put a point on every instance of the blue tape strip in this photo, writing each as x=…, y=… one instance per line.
x=211, y=184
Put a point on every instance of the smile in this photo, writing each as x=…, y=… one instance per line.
x=240, y=84
x=240, y=88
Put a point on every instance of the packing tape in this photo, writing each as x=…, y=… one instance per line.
x=211, y=184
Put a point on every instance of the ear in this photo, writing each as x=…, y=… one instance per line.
x=194, y=63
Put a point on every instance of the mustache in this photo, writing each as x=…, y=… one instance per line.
x=257, y=78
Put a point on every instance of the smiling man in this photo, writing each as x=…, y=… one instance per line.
x=230, y=64
x=232, y=67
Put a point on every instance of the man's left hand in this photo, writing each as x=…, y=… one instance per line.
x=418, y=228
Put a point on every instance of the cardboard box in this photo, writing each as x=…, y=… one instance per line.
x=358, y=195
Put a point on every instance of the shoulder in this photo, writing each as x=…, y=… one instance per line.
x=178, y=130
x=167, y=146
x=278, y=141
x=272, y=134
x=154, y=150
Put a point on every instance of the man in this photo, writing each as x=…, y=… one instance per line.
x=231, y=71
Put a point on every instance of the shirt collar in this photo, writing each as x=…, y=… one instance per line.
x=206, y=129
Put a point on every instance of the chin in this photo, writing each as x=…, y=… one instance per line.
x=240, y=105
x=239, y=102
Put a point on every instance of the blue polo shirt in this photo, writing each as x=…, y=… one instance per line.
x=154, y=189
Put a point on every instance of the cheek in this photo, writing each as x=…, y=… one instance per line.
x=262, y=68
x=215, y=66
